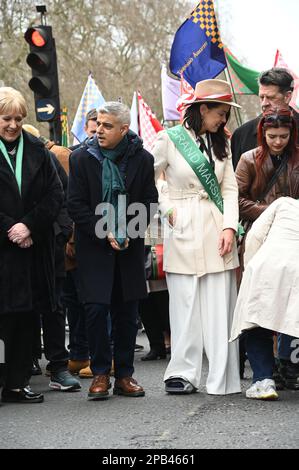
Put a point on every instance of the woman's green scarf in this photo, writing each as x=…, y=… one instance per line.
x=112, y=187
x=19, y=160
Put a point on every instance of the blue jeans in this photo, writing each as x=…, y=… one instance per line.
x=259, y=348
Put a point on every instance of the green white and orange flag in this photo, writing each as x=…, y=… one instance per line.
x=244, y=80
x=64, y=128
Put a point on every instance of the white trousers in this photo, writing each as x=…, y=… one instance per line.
x=201, y=312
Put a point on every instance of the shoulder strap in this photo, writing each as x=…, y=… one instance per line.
x=274, y=178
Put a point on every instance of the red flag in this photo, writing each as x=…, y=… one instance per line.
x=280, y=62
x=148, y=124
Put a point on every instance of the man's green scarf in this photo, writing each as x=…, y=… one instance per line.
x=114, y=186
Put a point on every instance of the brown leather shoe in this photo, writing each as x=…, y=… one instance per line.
x=86, y=373
x=128, y=387
x=99, y=387
x=74, y=367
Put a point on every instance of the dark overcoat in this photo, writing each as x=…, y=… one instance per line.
x=23, y=272
x=63, y=225
x=96, y=259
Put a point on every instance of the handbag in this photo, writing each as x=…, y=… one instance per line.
x=154, y=262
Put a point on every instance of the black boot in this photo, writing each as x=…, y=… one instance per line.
x=36, y=370
x=290, y=374
x=242, y=357
x=277, y=377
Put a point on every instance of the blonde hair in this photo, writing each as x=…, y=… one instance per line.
x=12, y=101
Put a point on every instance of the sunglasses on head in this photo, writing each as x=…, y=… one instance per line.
x=278, y=118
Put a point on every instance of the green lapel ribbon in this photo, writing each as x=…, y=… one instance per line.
x=199, y=164
x=19, y=160
x=112, y=187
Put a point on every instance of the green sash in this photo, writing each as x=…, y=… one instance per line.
x=19, y=159
x=199, y=164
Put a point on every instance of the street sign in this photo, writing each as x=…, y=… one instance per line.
x=45, y=109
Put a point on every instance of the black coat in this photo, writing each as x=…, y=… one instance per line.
x=96, y=259
x=28, y=274
x=63, y=225
x=243, y=139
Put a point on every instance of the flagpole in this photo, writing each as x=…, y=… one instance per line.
x=236, y=110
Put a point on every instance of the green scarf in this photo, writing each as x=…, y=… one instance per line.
x=19, y=160
x=113, y=186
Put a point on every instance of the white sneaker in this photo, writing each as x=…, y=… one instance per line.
x=262, y=390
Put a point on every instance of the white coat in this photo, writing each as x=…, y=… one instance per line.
x=269, y=292
x=191, y=246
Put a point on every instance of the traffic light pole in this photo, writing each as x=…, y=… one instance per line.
x=42, y=9
x=55, y=132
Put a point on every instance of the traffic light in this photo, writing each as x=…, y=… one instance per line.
x=44, y=82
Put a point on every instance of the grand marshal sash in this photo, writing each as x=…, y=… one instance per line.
x=199, y=164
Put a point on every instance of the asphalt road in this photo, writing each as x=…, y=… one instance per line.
x=156, y=421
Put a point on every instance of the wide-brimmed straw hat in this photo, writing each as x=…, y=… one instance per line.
x=213, y=91
x=216, y=91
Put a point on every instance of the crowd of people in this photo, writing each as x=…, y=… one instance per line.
x=73, y=224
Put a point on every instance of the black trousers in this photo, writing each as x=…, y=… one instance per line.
x=53, y=324
x=124, y=331
x=154, y=313
x=78, y=344
x=17, y=333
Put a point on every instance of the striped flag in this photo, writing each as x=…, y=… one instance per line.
x=148, y=124
x=134, y=115
x=64, y=128
x=187, y=94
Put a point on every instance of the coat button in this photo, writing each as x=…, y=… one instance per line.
x=191, y=185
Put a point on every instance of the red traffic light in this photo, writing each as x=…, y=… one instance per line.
x=36, y=37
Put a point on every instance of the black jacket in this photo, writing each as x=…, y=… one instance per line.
x=63, y=225
x=27, y=275
x=243, y=139
x=96, y=259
